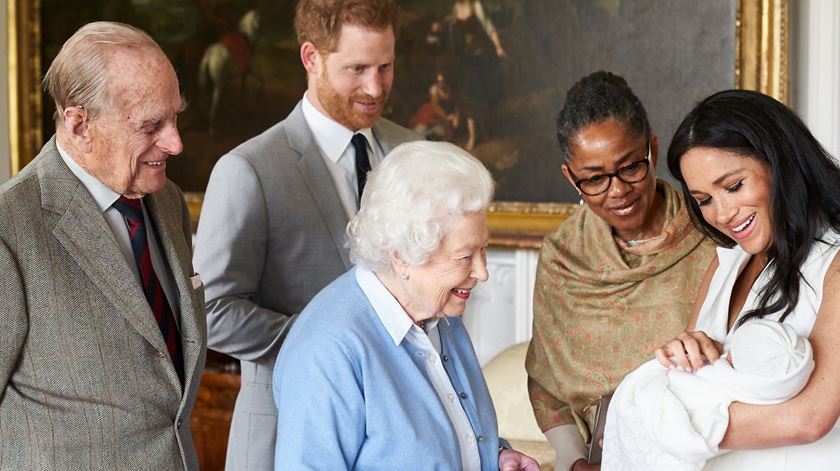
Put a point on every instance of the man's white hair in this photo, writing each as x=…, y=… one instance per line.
x=79, y=76
x=411, y=200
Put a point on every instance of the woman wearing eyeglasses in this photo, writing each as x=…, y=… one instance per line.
x=617, y=279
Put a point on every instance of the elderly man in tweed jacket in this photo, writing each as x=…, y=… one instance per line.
x=103, y=331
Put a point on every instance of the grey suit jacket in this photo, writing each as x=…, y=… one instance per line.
x=271, y=235
x=85, y=380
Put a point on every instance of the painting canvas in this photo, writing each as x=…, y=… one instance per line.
x=504, y=66
x=237, y=62
x=488, y=75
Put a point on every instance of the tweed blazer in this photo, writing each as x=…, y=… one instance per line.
x=86, y=382
x=271, y=235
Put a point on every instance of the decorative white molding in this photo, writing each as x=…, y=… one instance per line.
x=499, y=312
x=817, y=75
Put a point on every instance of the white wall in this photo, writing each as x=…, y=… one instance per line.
x=499, y=313
x=815, y=68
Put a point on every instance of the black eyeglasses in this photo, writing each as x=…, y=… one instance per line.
x=633, y=172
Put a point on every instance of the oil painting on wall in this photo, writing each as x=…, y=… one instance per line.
x=236, y=61
x=488, y=75
x=492, y=75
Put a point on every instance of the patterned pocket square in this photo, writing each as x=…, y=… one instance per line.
x=196, y=281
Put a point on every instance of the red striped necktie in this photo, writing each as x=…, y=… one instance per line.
x=132, y=211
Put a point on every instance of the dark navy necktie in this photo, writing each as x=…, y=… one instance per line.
x=362, y=161
x=132, y=211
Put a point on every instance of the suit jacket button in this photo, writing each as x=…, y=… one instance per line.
x=178, y=425
x=160, y=354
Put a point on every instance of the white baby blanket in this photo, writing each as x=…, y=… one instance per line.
x=673, y=420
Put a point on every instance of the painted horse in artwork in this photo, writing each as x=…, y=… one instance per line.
x=230, y=56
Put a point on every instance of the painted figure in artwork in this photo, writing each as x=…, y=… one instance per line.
x=475, y=54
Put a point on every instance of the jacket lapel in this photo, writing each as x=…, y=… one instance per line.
x=316, y=175
x=174, y=247
x=83, y=232
x=382, y=138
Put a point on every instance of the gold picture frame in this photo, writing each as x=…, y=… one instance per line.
x=761, y=64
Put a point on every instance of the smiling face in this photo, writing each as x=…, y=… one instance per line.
x=633, y=210
x=129, y=144
x=441, y=286
x=733, y=192
x=351, y=84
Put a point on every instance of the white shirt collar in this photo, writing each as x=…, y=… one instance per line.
x=386, y=306
x=102, y=195
x=332, y=137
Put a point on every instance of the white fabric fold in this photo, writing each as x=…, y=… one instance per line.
x=670, y=419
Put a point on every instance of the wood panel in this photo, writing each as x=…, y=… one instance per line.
x=212, y=414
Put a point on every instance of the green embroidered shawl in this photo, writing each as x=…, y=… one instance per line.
x=596, y=317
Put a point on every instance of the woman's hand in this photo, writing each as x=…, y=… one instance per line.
x=582, y=465
x=689, y=351
x=512, y=460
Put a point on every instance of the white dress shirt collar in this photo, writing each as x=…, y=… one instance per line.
x=400, y=327
x=393, y=316
x=332, y=137
x=105, y=198
x=102, y=195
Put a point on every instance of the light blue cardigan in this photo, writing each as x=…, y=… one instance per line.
x=349, y=398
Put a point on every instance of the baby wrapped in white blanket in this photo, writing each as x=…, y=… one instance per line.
x=661, y=419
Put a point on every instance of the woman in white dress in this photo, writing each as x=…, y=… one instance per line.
x=760, y=185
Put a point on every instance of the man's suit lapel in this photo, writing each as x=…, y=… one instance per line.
x=83, y=232
x=382, y=138
x=317, y=177
x=192, y=324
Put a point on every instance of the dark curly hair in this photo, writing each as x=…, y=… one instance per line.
x=805, y=194
x=595, y=98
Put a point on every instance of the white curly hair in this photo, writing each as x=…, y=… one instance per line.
x=411, y=200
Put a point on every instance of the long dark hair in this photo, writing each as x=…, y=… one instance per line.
x=805, y=196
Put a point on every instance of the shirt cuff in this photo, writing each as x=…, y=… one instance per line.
x=567, y=442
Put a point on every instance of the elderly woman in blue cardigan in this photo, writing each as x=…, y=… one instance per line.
x=378, y=372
